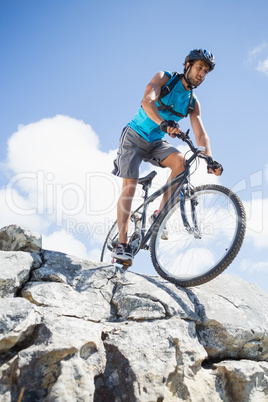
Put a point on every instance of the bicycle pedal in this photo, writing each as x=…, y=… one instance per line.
x=121, y=264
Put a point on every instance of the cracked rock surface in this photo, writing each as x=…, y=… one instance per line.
x=75, y=330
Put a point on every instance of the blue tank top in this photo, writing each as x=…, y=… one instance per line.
x=178, y=99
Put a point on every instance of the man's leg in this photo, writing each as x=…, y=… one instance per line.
x=175, y=162
x=124, y=207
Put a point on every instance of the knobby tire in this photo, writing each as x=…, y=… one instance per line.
x=222, y=218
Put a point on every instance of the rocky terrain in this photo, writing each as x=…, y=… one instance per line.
x=75, y=330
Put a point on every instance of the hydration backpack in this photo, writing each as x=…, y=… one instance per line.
x=175, y=78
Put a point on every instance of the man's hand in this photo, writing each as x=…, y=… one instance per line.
x=170, y=127
x=217, y=171
x=214, y=167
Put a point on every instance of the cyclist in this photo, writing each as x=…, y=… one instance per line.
x=142, y=138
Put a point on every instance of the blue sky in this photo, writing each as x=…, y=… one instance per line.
x=88, y=64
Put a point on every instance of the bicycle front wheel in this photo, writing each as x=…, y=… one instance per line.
x=190, y=257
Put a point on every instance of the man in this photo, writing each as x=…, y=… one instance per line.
x=142, y=138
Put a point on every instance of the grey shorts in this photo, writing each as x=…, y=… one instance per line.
x=133, y=149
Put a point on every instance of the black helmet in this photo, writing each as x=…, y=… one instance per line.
x=201, y=54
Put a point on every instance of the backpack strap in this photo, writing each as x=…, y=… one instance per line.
x=175, y=78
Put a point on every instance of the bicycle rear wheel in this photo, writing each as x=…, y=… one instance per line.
x=109, y=244
x=193, y=258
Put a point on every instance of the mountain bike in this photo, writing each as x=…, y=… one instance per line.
x=205, y=225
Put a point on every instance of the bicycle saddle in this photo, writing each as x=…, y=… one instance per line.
x=147, y=180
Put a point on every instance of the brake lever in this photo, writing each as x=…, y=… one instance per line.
x=184, y=136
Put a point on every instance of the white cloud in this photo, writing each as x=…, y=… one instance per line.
x=257, y=222
x=61, y=145
x=65, y=243
x=59, y=180
x=62, y=172
x=21, y=211
x=256, y=206
x=94, y=254
x=258, y=55
x=263, y=66
x=257, y=50
x=253, y=266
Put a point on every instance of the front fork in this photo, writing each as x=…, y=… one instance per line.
x=194, y=229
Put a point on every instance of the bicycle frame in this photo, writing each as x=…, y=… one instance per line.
x=179, y=180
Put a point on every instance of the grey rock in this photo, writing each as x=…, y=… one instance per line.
x=15, y=238
x=74, y=271
x=18, y=319
x=65, y=301
x=234, y=319
x=141, y=297
x=15, y=269
x=156, y=360
x=74, y=330
x=60, y=363
x=245, y=380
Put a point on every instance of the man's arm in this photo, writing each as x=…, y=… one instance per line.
x=150, y=98
x=201, y=136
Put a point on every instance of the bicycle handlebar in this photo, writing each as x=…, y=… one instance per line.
x=198, y=152
x=186, y=138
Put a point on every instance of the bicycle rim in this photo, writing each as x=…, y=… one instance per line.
x=190, y=259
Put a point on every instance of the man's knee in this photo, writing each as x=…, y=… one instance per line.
x=179, y=165
x=174, y=161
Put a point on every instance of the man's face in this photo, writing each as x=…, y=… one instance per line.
x=198, y=72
